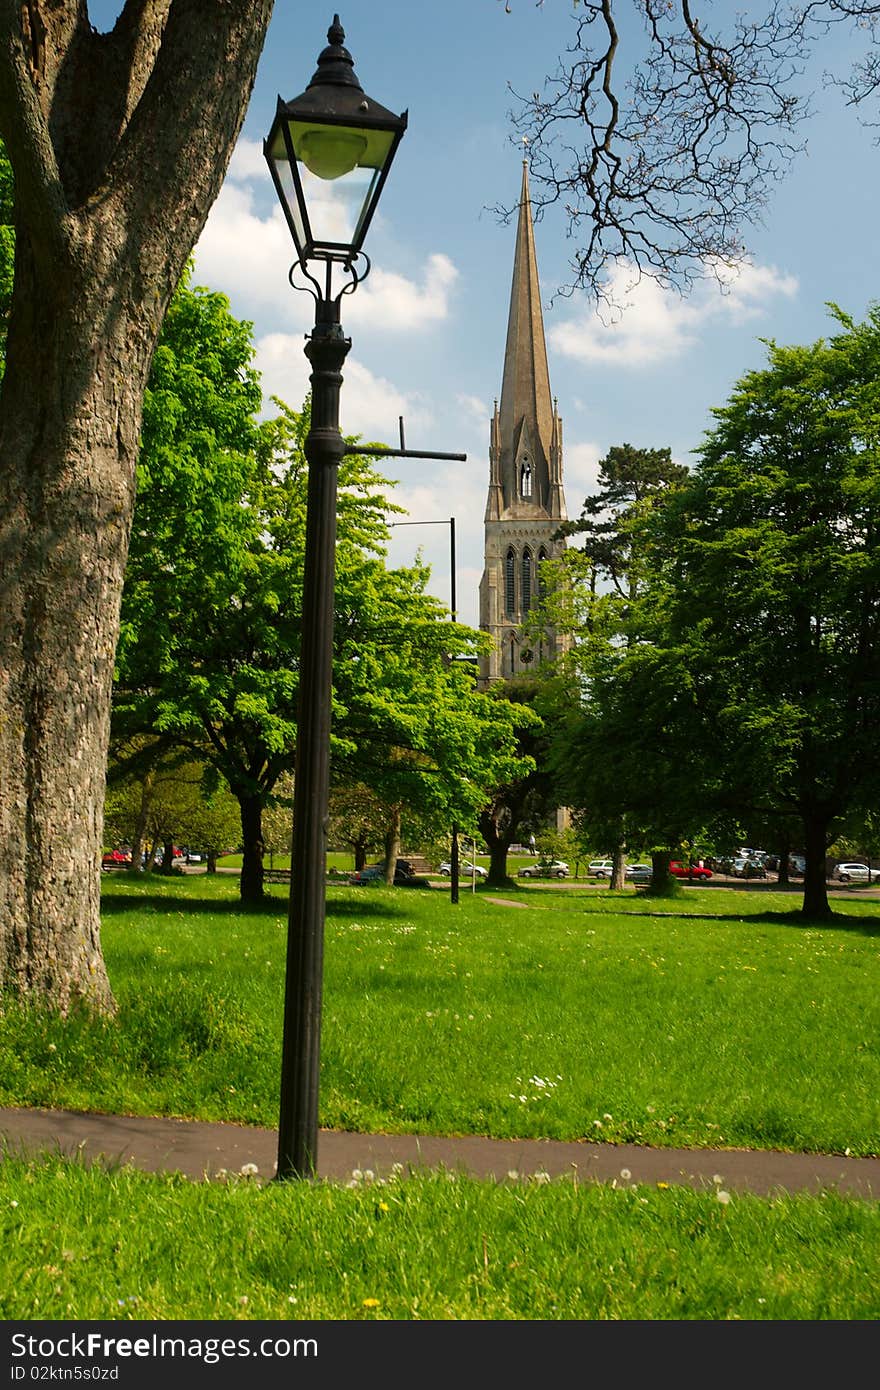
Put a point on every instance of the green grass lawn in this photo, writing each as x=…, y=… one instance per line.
x=82, y=1243
x=716, y=1019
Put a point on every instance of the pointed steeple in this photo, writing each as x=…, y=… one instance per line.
x=526, y=502
x=526, y=405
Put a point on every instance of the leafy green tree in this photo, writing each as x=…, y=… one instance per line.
x=602, y=579
x=770, y=590
x=630, y=482
x=159, y=802
x=211, y=619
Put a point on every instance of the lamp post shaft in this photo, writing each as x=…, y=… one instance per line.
x=300, y=1056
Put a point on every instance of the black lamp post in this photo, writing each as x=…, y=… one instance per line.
x=329, y=151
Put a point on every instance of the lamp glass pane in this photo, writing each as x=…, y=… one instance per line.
x=337, y=207
x=287, y=184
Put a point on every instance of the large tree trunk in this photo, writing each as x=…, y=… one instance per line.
x=497, y=831
x=140, y=829
x=68, y=447
x=251, y=889
x=815, y=903
x=392, y=846
x=618, y=868
x=118, y=143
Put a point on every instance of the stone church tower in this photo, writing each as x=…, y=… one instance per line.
x=526, y=503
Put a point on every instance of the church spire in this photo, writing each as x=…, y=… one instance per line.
x=525, y=503
x=525, y=391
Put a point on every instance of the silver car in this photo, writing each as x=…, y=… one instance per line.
x=853, y=873
x=638, y=873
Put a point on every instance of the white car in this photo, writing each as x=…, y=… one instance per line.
x=465, y=868
x=601, y=868
x=854, y=873
x=545, y=868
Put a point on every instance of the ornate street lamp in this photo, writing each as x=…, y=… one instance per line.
x=329, y=152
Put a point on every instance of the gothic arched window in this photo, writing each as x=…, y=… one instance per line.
x=510, y=582
x=542, y=582
x=526, y=581
x=512, y=655
x=525, y=478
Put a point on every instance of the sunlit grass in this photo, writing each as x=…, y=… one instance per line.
x=86, y=1244
x=718, y=1020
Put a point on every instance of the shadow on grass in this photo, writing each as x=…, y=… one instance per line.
x=272, y=905
x=838, y=921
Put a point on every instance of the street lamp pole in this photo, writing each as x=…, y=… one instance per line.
x=333, y=140
x=300, y=1049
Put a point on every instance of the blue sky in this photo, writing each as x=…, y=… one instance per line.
x=428, y=326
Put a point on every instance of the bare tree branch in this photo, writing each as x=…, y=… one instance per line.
x=662, y=142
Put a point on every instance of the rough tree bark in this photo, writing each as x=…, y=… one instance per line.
x=251, y=807
x=119, y=143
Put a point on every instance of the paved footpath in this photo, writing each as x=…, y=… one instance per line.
x=200, y=1150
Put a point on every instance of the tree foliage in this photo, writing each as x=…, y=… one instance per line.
x=772, y=584
x=212, y=609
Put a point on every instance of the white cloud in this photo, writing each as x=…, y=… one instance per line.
x=581, y=470
x=391, y=302
x=475, y=410
x=248, y=255
x=247, y=162
x=370, y=406
x=654, y=325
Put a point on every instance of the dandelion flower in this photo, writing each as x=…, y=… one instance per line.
x=718, y=1180
x=723, y=1197
x=625, y=1174
x=370, y=1303
x=249, y=1170
x=663, y=1184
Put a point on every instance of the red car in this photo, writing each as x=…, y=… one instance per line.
x=689, y=870
x=115, y=859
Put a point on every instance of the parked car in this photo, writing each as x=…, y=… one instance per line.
x=115, y=859
x=638, y=873
x=748, y=868
x=465, y=868
x=852, y=873
x=600, y=868
x=372, y=873
x=404, y=875
x=545, y=868
x=689, y=870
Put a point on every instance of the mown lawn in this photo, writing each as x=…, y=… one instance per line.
x=719, y=1019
